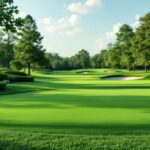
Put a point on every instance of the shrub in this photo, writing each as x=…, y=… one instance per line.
x=16, y=73
x=16, y=64
x=3, y=76
x=2, y=86
x=16, y=78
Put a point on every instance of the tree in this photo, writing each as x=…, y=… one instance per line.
x=114, y=57
x=84, y=58
x=8, y=23
x=81, y=60
x=98, y=60
x=124, y=41
x=29, y=49
x=9, y=44
x=7, y=15
x=67, y=64
x=6, y=45
x=141, y=42
x=3, y=50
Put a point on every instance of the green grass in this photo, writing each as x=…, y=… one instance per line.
x=78, y=106
x=40, y=141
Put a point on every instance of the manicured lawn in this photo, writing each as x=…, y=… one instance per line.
x=72, y=103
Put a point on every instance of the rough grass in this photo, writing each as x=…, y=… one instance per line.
x=87, y=111
x=34, y=141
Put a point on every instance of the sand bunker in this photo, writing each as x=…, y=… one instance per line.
x=84, y=72
x=123, y=78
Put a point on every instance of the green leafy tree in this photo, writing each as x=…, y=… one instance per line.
x=124, y=41
x=7, y=15
x=29, y=49
x=81, y=60
x=9, y=44
x=141, y=42
x=9, y=23
x=114, y=57
x=98, y=60
x=6, y=45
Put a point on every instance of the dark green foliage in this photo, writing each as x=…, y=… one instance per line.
x=7, y=13
x=16, y=73
x=3, y=76
x=2, y=86
x=78, y=61
x=81, y=60
x=99, y=60
x=141, y=42
x=124, y=42
x=16, y=78
x=114, y=57
x=16, y=64
x=6, y=48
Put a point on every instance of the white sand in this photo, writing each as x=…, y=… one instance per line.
x=123, y=78
x=109, y=71
x=84, y=72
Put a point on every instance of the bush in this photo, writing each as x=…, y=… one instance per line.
x=2, y=86
x=3, y=76
x=16, y=64
x=16, y=73
x=16, y=78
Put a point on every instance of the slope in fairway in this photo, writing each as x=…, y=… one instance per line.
x=68, y=102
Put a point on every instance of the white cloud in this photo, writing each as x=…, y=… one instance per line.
x=63, y=26
x=109, y=37
x=21, y=14
x=83, y=8
x=136, y=22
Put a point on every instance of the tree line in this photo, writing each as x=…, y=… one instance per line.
x=131, y=50
x=21, y=46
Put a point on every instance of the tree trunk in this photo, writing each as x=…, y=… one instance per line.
x=29, y=69
x=24, y=69
x=129, y=68
x=133, y=68
x=145, y=68
x=8, y=51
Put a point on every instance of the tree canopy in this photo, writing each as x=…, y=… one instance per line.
x=8, y=11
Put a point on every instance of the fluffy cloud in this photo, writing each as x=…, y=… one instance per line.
x=83, y=8
x=109, y=37
x=136, y=22
x=64, y=26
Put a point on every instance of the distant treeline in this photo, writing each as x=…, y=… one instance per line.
x=131, y=50
x=23, y=49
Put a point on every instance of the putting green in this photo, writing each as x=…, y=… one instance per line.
x=68, y=102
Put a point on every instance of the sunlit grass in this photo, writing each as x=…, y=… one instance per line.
x=67, y=102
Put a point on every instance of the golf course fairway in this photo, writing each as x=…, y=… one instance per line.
x=72, y=103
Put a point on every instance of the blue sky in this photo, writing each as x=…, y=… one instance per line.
x=71, y=25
